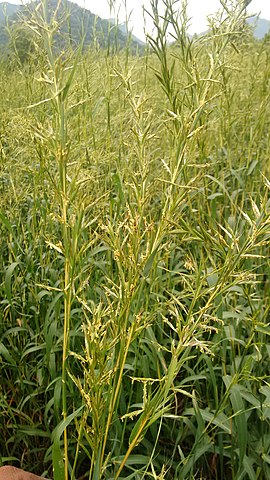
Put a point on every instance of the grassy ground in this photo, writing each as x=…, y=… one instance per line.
x=135, y=258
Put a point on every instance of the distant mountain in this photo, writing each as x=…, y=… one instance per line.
x=7, y=10
x=75, y=23
x=82, y=23
x=260, y=25
x=123, y=28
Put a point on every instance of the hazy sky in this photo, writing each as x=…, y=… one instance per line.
x=197, y=9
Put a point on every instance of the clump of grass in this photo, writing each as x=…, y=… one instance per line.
x=134, y=272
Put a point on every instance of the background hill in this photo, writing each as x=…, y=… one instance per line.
x=96, y=30
x=7, y=9
x=123, y=28
x=77, y=23
x=260, y=25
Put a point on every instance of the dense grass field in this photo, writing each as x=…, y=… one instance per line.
x=134, y=261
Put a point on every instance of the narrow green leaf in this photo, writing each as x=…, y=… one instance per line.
x=239, y=419
x=149, y=263
x=264, y=329
x=6, y=222
x=59, y=430
x=58, y=461
x=8, y=278
x=248, y=466
x=4, y=351
x=199, y=451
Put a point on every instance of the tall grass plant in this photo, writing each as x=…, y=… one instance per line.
x=134, y=270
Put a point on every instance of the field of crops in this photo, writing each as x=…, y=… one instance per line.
x=134, y=257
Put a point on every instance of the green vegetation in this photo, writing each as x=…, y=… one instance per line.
x=134, y=258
